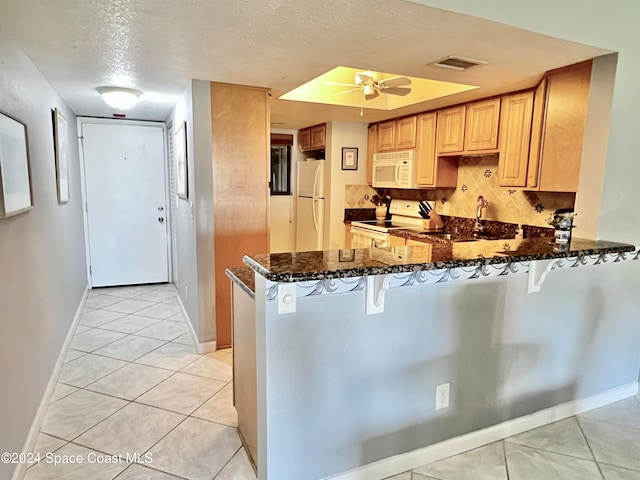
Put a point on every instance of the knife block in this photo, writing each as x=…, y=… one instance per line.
x=434, y=223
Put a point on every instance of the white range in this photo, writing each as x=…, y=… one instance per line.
x=405, y=215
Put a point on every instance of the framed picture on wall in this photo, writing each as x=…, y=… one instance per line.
x=15, y=179
x=180, y=149
x=62, y=159
x=349, y=158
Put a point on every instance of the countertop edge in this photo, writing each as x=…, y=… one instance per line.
x=240, y=282
x=292, y=277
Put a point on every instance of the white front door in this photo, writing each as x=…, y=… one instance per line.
x=124, y=168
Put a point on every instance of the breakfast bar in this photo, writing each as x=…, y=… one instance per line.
x=349, y=347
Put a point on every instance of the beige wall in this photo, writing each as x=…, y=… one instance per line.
x=341, y=134
x=42, y=255
x=194, y=222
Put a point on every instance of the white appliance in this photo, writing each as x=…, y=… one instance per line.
x=405, y=215
x=395, y=169
x=310, y=203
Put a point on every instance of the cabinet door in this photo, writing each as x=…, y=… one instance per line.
x=396, y=241
x=451, y=130
x=564, y=124
x=406, y=133
x=481, y=129
x=304, y=139
x=318, y=137
x=372, y=149
x=515, y=135
x=537, y=125
x=359, y=240
x=426, y=149
x=387, y=136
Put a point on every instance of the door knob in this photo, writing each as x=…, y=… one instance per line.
x=161, y=219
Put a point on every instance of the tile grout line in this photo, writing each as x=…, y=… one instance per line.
x=593, y=455
x=228, y=461
x=506, y=462
x=553, y=452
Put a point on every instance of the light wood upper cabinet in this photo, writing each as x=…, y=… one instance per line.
x=312, y=138
x=432, y=171
x=372, y=149
x=406, y=133
x=481, y=126
x=397, y=134
x=451, y=130
x=558, y=152
x=515, y=135
x=386, y=136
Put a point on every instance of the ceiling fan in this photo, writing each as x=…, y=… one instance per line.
x=366, y=83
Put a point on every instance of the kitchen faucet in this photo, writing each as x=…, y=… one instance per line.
x=481, y=203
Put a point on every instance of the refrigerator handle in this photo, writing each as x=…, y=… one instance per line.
x=315, y=220
x=315, y=183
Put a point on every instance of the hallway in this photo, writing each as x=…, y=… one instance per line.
x=133, y=384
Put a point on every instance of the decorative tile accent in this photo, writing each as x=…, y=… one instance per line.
x=538, y=207
x=358, y=196
x=487, y=173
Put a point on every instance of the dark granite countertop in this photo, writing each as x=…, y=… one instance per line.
x=300, y=266
x=245, y=277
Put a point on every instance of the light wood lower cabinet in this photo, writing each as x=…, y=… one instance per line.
x=432, y=171
x=515, y=135
x=395, y=241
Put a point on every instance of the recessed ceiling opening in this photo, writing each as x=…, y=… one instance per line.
x=357, y=87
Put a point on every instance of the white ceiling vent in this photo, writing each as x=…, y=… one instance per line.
x=458, y=63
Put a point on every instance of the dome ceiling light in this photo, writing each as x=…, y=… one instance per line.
x=119, y=97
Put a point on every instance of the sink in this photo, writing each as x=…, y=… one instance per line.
x=451, y=237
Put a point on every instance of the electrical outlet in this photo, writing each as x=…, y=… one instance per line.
x=442, y=396
x=186, y=293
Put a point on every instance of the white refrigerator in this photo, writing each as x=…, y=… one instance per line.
x=310, y=203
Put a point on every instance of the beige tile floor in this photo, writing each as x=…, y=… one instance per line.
x=603, y=444
x=133, y=384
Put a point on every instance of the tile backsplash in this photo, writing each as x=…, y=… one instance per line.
x=358, y=196
x=477, y=176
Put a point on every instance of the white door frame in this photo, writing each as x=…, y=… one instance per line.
x=90, y=120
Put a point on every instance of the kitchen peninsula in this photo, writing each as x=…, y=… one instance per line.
x=350, y=346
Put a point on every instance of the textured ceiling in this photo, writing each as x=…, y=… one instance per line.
x=158, y=45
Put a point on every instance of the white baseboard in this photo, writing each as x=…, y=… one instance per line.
x=201, y=347
x=408, y=461
x=32, y=437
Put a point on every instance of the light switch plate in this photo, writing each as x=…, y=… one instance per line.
x=286, y=298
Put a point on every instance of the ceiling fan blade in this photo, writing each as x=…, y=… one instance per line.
x=394, y=82
x=397, y=91
x=363, y=77
x=348, y=91
x=372, y=95
x=341, y=84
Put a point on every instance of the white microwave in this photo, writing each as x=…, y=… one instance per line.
x=395, y=169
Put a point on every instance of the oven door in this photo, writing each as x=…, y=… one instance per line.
x=361, y=238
